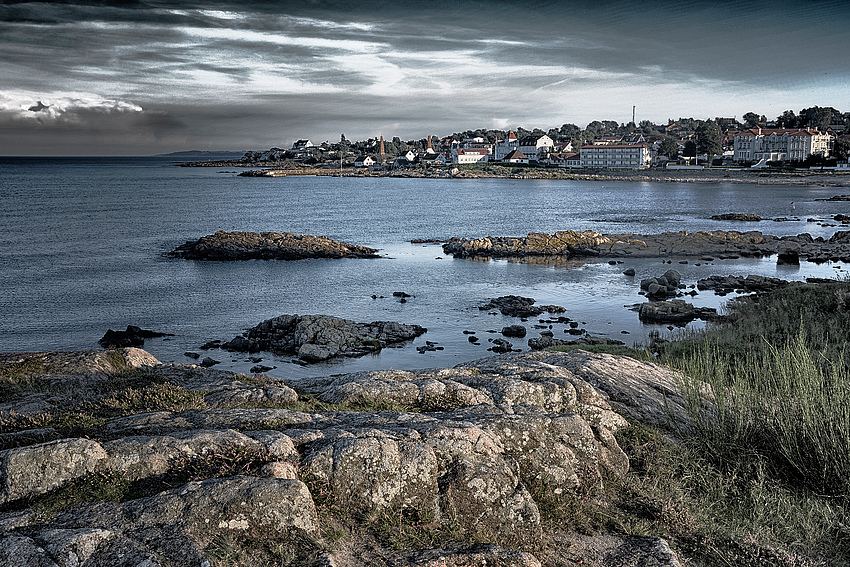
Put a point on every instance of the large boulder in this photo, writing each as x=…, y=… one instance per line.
x=28, y=471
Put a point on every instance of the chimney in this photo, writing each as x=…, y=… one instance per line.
x=382, y=150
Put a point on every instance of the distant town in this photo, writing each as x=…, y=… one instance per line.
x=814, y=138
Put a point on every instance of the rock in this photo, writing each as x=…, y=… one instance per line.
x=486, y=437
x=194, y=355
x=629, y=272
x=268, y=246
x=260, y=368
x=751, y=283
x=314, y=338
x=674, y=311
x=501, y=345
x=545, y=248
x=209, y=361
x=131, y=337
x=143, y=457
x=666, y=285
x=469, y=555
x=788, y=258
x=516, y=306
x=514, y=331
x=737, y=217
x=28, y=471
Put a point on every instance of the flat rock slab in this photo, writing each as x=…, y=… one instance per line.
x=720, y=243
x=268, y=246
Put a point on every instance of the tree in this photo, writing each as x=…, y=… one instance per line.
x=343, y=146
x=841, y=149
x=751, y=119
x=787, y=119
x=669, y=147
x=820, y=117
x=709, y=139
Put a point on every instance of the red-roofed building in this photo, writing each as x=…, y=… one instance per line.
x=516, y=156
x=470, y=155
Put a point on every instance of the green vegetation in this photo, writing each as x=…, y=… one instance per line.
x=21, y=377
x=765, y=466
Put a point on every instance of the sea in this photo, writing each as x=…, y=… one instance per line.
x=84, y=248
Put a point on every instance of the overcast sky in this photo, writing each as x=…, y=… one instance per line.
x=138, y=78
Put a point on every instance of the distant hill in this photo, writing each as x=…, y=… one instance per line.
x=202, y=153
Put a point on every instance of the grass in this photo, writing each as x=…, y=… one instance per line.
x=84, y=418
x=764, y=467
x=21, y=377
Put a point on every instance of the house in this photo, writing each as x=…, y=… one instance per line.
x=302, y=145
x=536, y=147
x=433, y=159
x=408, y=155
x=401, y=162
x=462, y=155
x=516, y=156
x=563, y=159
x=504, y=147
x=616, y=156
x=364, y=161
x=779, y=144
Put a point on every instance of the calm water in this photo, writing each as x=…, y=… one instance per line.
x=83, y=245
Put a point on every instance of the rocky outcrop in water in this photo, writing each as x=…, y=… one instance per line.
x=722, y=244
x=133, y=336
x=516, y=306
x=675, y=311
x=176, y=463
x=663, y=286
x=313, y=338
x=737, y=217
x=268, y=246
x=721, y=285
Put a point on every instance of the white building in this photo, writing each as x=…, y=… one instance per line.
x=561, y=159
x=504, y=147
x=462, y=155
x=616, y=156
x=364, y=161
x=516, y=156
x=796, y=144
x=536, y=147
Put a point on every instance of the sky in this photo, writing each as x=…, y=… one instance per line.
x=145, y=77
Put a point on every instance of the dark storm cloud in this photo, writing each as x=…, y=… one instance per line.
x=241, y=71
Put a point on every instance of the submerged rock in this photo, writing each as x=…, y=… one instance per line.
x=268, y=246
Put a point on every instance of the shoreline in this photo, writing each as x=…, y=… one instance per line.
x=820, y=178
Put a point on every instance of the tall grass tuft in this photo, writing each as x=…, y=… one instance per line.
x=783, y=407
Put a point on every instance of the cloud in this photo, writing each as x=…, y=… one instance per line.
x=220, y=71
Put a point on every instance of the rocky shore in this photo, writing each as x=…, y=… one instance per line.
x=708, y=175
x=720, y=243
x=111, y=458
x=268, y=246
